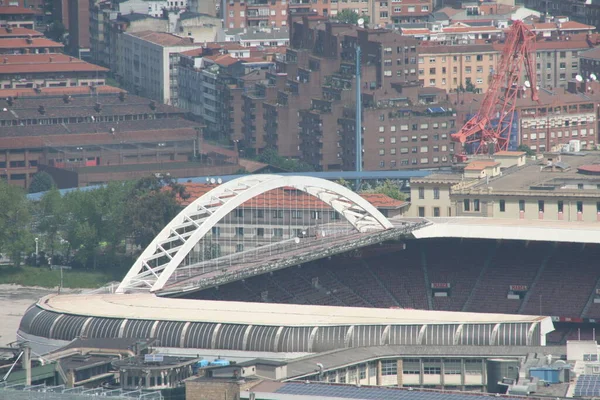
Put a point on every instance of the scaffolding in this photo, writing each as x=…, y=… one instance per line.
x=44, y=392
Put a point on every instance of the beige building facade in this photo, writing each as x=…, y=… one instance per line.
x=453, y=67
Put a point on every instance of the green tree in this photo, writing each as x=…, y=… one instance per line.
x=388, y=188
x=51, y=218
x=469, y=86
x=41, y=182
x=153, y=202
x=270, y=156
x=345, y=183
x=56, y=31
x=15, y=217
x=526, y=149
x=347, y=16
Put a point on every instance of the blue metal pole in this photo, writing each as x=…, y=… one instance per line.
x=358, y=119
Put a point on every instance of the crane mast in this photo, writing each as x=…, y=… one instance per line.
x=489, y=129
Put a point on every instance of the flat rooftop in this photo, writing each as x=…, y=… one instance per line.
x=151, y=307
x=532, y=175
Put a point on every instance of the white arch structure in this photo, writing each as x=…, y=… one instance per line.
x=160, y=259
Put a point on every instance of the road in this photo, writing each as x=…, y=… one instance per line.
x=14, y=301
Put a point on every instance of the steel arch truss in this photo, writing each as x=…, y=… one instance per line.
x=168, y=250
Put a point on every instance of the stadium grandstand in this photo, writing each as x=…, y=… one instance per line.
x=282, y=273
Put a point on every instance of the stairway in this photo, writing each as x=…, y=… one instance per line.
x=486, y=265
x=536, y=279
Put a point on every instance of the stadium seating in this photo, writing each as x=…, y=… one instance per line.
x=514, y=263
x=458, y=263
x=567, y=282
x=479, y=273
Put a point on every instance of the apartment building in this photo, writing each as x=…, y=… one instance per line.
x=212, y=83
x=409, y=11
x=559, y=118
x=306, y=106
x=268, y=13
x=557, y=60
x=149, y=61
x=457, y=67
x=589, y=63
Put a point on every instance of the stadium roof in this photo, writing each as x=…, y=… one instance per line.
x=149, y=306
x=510, y=229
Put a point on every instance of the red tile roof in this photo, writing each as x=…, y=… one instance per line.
x=53, y=91
x=8, y=10
x=509, y=153
x=223, y=59
x=32, y=63
x=19, y=32
x=289, y=198
x=25, y=43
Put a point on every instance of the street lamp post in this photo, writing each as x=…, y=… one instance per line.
x=36, y=250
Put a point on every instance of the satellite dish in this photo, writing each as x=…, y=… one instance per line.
x=579, y=78
x=361, y=21
x=296, y=240
x=593, y=77
x=212, y=180
x=527, y=84
x=207, y=179
x=219, y=181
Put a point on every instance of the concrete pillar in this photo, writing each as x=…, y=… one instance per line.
x=378, y=381
x=442, y=372
x=421, y=372
x=463, y=372
x=26, y=363
x=399, y=368
x=483, y=375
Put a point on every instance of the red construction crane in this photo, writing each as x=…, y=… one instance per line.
x=492, y=123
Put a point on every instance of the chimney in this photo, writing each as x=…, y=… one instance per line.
x=5, y=60
x=122, y=96
x=51, y=59
x=29, y=40
x=10, y=101
x=98, y=107
x=67, y=98
x=42, y=110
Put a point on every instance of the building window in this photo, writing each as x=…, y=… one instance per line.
x=580, y=206
x=239, y=231
x=315, y=214
x=561, y=206
x=436, y=211
x=278, y=232
x=239, y=213
x=389, y=367
x=260, y=232
x=296, y=214
x=476, y=205
x=421, y=212
x=260, y=214
x=436, y=193
x=541, y=205
x=466, y=205
x=522, y=205
x=277, y=213
x=216, y=231
x=502, y=206
x=421, y=193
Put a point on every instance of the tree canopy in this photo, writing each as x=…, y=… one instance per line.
x=348, y=16
x=41, y=182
